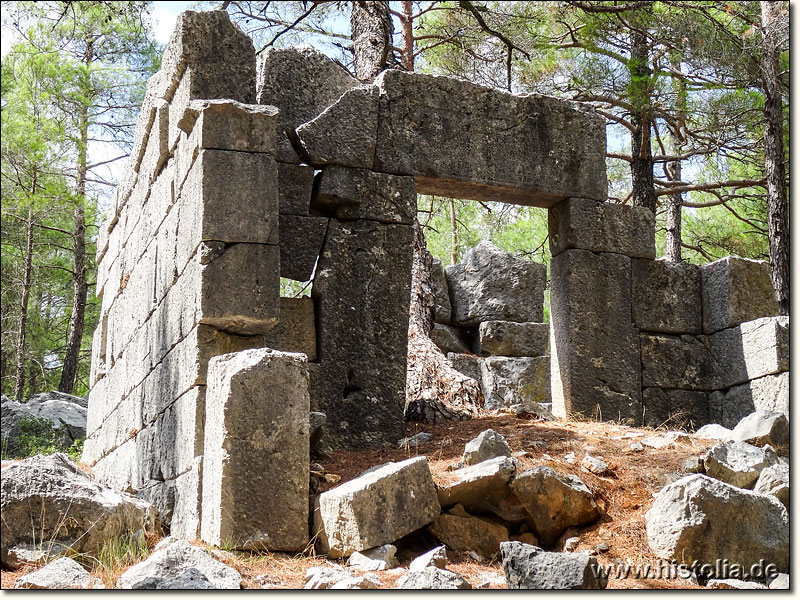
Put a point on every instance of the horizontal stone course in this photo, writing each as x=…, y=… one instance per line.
x=507, y=338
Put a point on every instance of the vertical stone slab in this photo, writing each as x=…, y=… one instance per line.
x=594, y=346
x=362, y=292
x=255, y=476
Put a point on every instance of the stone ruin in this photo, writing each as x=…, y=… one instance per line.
x=203, y=376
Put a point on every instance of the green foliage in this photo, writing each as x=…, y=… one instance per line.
x=37, y=436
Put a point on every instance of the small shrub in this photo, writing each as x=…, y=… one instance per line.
x=38, y=435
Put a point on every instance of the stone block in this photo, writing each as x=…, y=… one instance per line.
x=493, y=285
x=449, y=339
x=296, y=329
x=441, y=295
x=521, y=380
x=344, y=133
x=231, y=125
x=479, y=488
x=295, y=186
x=679, y=362
x=302, y=82
x=507, y=338
x=751, y=350
x=349, y=194
x=769, y=393
x=464, y=140
x=378, y=507
x=763, y=427
x=467, y=364
x=594, y=347
x=463, y=532
x=736, y=290
x=601, y=227
x=255, y=473
x=207, y=193
x=361, y=293
x=301, y=241
x=156, y=150
x=531, y=568
x=666, y=297
x=674, y=407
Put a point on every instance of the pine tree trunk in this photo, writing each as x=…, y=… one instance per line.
x=407, y=60
x=372, y=29
x=644, y=192
x=777, y=207
x=675, y=201
x=19, y=371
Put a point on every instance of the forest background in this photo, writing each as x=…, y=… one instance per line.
x=696, y=97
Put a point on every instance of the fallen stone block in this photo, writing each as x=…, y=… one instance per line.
x=231, y=125
x=553, y=502
x=449, y=339
x=378, y=507
x=295, y=187
x=714, y=431
x=491, y=285
x=486, y=130
x=761, y=428
x=738, y=463
x=61, y=574
x=780, y=582
x=349, y=194
x=190, y=579
x=489, y=444
x=415, y=440
x=509, y=381
x=594, y=347
x=256, y=474
x=736, y=290
x=594, y=465
x=345, y=133
x=463, y=532
x=322, y=578
x=674, y=407
x=441, y=296
x=666, y=297
x=301, y=242
x=692, y=519
x=433, y=558
x=362, y=582
x=769, y=393
x=374, y=559
x=433, y=578
x=479, y=488
x=531, y=568
x=601, y=227
x=666, y=440
x=774, y=481
x=466, y=364
x=296, y=330
x=302, y=82
x=507, y=338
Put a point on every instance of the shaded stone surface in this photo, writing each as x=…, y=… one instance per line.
x=601, y=227
x=302, y=82
x=666, y=297
x=774, y=481
x=594, y=348
x=349, y=193
x=491, y=285
x=449, y=339
x=692, y=519
x=301, y=242
x=295, y=331
x=674, y=407
x=679, y=362
x=441, y=295
x=295, y=186
x=531, y=568
x=531, y=150
x=361, y=292
x=255, y=468
x=433, y=558
x=190, y=579
x=770, y=393
x=466, y=364
x=509, y=381
x=378, y=507
x=374, y=559
x=344, y=133
x=224, y=124
x=481, y=487
x=507, y=338
x=433, y=578
x=463, y=532
x=736, y=290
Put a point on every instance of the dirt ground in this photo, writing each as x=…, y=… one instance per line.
x=624, y=495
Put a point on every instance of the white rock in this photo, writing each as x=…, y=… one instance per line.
x=61, y=574
x=738, y=463
x=374, y=559
x=714, y=431
x=434, y=558
x=594, y=465
x=488, y=444
x=734, y=584
x=762, y=427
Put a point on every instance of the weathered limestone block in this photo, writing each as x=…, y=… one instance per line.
x=463, y=532
x=361, y=293
x=738, y=463
x=774, y=481
x=674, y=407
x=208, y=191
x=594, y=347
x=231, y=125
x=492, y=285
x=521, y=380
x=462, y=139
x=692, y=519
x=302, y=82
x=666, y=297
x=507, y=338
x=441, y=295
x=736, y=290
x=751, y=350
x=467, y=364
x=449, y=339
x=761, y=427
x=187, y=503
x=488, y=444
x=362, y=194
x=344, y=133
x=378, y=507
x=156, y=150
x=770, y=393
x=601, y=227
x=531, y=568
x=255, y=474
x=295, y=186
x=301, y=241
x=480, y=487
x=296, y=330
x=679, y=362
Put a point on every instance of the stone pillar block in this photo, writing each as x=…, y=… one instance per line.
x=296, y=330
x=594, y=347
x=231, y=125
x=736, y=290
x=295, y=186
x=301, y=241
x=507, y=338
x=255, y=472
x=601, y=227
x=666, y=297
x=507, y=381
